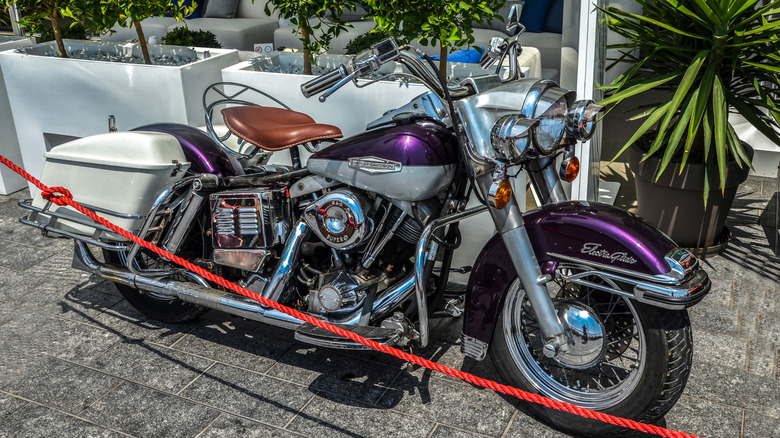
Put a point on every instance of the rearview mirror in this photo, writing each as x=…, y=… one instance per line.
x=513, y=26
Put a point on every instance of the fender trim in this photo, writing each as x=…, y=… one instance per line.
x=647, y=260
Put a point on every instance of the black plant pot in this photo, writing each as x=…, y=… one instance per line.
x=675, y=203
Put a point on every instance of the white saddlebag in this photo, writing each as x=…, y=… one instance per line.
x=122, y=172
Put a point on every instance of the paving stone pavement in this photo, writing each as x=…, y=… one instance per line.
x=76, y=360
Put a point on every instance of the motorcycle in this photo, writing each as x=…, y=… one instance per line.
x=579, y=301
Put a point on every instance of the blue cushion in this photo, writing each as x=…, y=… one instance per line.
x=188, y=3
x=535, y=14
x=470, y=56
x=554, y=21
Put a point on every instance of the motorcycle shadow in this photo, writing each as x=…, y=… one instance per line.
x=358, y=378
x=260, y=365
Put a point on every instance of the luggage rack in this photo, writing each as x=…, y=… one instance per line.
x=56, y=218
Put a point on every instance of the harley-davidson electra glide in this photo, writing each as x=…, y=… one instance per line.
x=579, y=301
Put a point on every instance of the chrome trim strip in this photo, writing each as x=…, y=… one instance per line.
x=534, y=95
x=663, y=279
x=675, y=297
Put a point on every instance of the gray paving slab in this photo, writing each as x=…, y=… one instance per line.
x=156, y=366
x=231, y=426
x=449, y=432
x=140, y=411
x=760, y=426
x=478, y=410
x=336, y=416
x=328, y=371
x=9, y=405
x=720, y=421
x=62, y=385
x=247, y=394
x=127, y=322
x=236, y=341
x=38, y=421
x=77, y=360
x=721, y=349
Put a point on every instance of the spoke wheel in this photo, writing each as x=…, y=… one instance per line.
x=624, y=358
x=596, y=384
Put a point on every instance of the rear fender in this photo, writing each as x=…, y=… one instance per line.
x=591, y=232
x=204, y=155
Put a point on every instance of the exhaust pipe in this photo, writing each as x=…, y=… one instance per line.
x=190, y=292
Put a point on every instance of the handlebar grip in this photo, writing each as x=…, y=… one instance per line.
x=323, y=82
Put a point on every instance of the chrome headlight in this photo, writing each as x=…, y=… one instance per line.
x=582, y=119
x=512, y=135
x=552, y=127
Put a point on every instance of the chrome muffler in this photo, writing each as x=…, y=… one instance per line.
x=227, y=302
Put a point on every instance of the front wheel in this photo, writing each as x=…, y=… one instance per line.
x=625, y=358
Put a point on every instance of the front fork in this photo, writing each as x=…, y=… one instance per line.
x=509, y=224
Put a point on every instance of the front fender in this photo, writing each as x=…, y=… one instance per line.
x=588, y=231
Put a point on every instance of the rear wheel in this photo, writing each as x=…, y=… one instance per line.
x=160, y=307
x=626, y=359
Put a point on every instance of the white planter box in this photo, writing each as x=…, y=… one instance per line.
x=55, y=99
x=10, y=181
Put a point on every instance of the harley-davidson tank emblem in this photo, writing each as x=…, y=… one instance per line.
x=374, y=165
x=595, y=250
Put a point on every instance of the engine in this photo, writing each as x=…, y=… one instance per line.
x=365, y=245
x=359, y=244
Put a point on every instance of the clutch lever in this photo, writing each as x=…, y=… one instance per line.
x=349, y=78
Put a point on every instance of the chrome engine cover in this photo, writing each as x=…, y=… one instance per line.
x=245, y=224
x=339, y=219
x=339, y=292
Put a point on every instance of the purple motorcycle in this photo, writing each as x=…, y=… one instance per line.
x=578, y=301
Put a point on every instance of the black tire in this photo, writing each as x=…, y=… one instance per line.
x=161, y=308
x=639, y=374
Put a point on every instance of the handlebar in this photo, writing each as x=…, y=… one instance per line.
x=324, y=82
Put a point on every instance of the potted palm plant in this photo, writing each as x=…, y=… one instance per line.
x=707, y=58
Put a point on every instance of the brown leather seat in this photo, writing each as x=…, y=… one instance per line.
x=275, y=129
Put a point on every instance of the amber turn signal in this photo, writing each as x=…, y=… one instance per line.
x=570, y=168
x=500, y=194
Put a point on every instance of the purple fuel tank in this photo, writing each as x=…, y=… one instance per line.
x=410, y=162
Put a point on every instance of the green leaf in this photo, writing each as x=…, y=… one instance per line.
x=720, y=114
x=641, y=87
x=680, y=127
x=651, y=120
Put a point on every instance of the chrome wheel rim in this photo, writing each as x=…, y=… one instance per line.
x=608, y=380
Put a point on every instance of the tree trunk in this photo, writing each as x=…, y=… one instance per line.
x=142, y=41
x=443, y=60
x=55, y=25
x=306, y=52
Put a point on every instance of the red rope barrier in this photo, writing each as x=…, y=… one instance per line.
x=61, y=196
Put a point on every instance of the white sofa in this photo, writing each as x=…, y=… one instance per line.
x=249, y=26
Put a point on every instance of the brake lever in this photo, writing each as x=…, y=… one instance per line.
x=351, y=77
